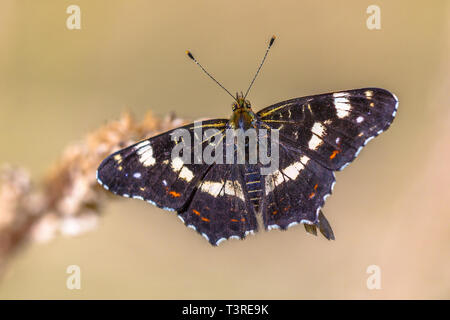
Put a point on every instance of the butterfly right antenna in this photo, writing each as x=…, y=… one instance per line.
x=272, y=40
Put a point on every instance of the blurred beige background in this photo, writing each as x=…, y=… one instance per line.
x=389, y=208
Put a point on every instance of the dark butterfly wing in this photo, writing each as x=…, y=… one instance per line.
x=296, y=191
x=318, y=134
x=147, y=171
x=332, y=128
x=220, y=209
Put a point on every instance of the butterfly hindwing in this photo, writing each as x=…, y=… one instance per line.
x=295, y=192
x=219, y=208
x=147, y=171
x=332, y=128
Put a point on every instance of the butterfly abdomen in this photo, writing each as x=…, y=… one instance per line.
x=252, y=178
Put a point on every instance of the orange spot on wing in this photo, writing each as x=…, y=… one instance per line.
x=174, y=194
x=234, y=220
x=334, y=154
x=196, y=212
x=275, y=212
x=243, y=219
x=312, y=194
x=205, y=219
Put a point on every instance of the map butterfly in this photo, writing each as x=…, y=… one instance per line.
x=318, y=135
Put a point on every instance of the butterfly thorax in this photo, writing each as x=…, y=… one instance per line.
x=243, y=117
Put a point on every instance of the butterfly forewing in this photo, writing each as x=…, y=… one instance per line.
x=147, y=171
x=332, y=128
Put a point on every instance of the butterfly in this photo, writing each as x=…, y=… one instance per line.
x=317, y=135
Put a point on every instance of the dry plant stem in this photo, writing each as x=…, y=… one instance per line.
x=69, y=200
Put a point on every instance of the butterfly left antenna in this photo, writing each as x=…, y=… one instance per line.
x=189, y=54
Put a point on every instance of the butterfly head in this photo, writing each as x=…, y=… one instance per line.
x=241, y=103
